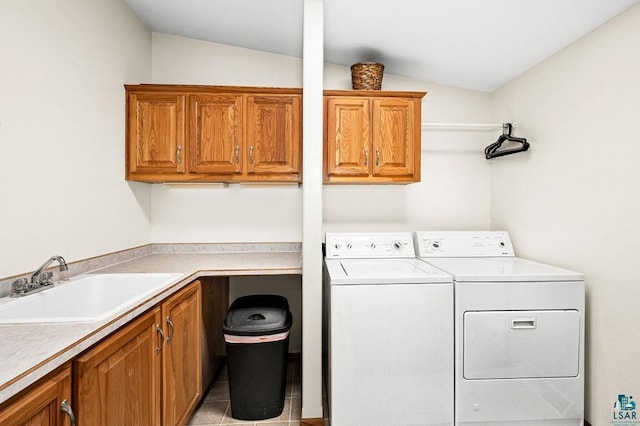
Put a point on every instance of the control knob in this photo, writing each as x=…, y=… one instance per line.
x=397, y=245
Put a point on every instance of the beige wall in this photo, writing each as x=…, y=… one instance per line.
x=573, y=199
x=62, y=187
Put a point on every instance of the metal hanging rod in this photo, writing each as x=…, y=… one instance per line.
x=463, y=126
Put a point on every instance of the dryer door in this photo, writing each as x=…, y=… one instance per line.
x=521, y=344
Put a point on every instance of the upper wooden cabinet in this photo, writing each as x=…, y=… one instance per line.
x=213, y=134
x=156, y=131
x=273, y=134
x=347, y=136
x=372, y=136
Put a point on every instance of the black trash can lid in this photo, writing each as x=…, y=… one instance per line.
x=258, y=315
x=260, y=301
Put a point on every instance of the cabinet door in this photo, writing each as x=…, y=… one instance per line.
x=182, y=373
x=40, y=404
x=394, y=135
x=347, y=136
x=155, y=133
x=273, y=134
x=215, y=134
x=118, y=381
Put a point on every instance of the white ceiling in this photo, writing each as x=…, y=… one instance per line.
x=476, y=44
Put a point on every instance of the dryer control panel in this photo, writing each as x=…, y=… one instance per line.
x=463, y=244
x=381, y=245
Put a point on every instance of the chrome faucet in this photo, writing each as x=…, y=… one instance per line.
x=40, y=279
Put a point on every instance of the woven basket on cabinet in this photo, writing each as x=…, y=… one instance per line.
x=367, y=75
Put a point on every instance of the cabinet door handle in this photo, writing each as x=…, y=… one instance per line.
x=65, y=407
x=377, y=156
x=251, y=154
x=179, y=154
x=237, y=154
x=172, y=329
x=366, y=156
x=161, y=333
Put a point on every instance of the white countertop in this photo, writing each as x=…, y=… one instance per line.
x=30, y=351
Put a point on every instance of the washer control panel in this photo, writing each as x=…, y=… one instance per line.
x=463, y=244
x=380, y=245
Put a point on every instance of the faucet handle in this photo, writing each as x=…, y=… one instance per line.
x=45, y=278
x=20, y=286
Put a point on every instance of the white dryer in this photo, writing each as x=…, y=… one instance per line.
x=519, y=332
x=389, y=333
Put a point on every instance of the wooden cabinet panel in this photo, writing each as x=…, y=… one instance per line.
x=215, y=133
x=156, y=133
x=273, y=136
x=393, y=137
x=118, y=381
x=372, y=136
x=40, y=404
x=348, y=122
x=215, y=303
x=181, y=355
x=227, y=134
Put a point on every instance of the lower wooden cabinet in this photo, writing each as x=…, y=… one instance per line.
x=181, y=356
x=43, y=404
x=152, y=371
x=149, y=372
x=118, y=381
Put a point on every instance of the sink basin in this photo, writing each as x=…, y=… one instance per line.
x=89, y=298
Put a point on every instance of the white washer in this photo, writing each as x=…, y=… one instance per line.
x=519, y=332
x=389, y=333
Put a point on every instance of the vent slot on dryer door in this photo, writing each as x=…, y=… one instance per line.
x=521, y=344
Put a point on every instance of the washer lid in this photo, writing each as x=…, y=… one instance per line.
x=501, y=269
x=384, y=271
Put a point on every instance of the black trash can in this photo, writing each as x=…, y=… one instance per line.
x=256, y=332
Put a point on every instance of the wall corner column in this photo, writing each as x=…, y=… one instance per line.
x=312, y=86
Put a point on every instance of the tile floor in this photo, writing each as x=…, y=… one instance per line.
x=215, y=406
